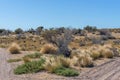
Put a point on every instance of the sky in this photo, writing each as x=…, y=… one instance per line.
x=57, y=13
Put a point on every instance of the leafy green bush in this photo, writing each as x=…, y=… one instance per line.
x=13, y=60
x=35, y=55
x=66, y=72
x=30, y=67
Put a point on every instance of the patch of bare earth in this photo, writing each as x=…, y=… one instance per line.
x=105, y=69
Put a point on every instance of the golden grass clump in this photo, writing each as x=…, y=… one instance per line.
x=48, y=49
x=65, y=61
x=74, y=61
x=108, y=46
x=82, y=59
x=14, y=48
x=74, y=53
x=26, y=59
x=95, y=55
x=52, y=64
x=74, y=45
x=85, y=61
x=106, y=53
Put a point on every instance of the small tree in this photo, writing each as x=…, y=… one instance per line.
x=90, y=28
x=31, y=31
x=76, y=31
x=39, y=29
x=6, y=32
x=106, y=34
x=1, y=30
x=50, y=36
x=18, y=31
x=61, y=41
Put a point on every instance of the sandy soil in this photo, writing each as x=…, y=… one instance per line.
x=110, y=70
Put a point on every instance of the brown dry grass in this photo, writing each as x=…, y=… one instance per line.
x=14, y=48
x=26, y=59
x=74, y=45
x=106, y=53
x=85, y=60
x=64, y=61
x=51, y=64
x=95, y=55
x=48, y=49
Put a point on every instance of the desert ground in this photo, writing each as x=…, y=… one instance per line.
x=57, y=54
x=104, y=70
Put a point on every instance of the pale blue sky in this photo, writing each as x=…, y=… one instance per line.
x=56, y=13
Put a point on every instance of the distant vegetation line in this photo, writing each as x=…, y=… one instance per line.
x=40, y=29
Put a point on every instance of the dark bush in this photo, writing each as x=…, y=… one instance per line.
x=39, y=30
x=61, y=41
x=76, y=31
x=18, y=31
x=116, y=42
x=90, y=28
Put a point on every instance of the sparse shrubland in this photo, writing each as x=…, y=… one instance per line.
x=62, y=50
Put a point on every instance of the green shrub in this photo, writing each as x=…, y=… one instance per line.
x=13, y=60
x=35, y=55
x=30, y=67
x=66, y=72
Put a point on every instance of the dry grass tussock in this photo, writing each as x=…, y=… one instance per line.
x=48, y=49
x=82, y=59
x=14, y=48
x=55, y=62
x=74, y=45
x=107, y=53
x=65, y=61
x=51, y=64
x=85, y=61
x=99, y=51
x=95, y=55
x=102, y=51
x=26, y=59
x=85, y=57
